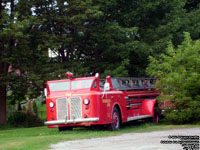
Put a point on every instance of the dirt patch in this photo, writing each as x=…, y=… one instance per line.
x=13, y=144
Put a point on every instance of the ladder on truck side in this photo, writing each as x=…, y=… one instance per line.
x=124, y=84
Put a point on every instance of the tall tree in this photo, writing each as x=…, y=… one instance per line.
x=18, y=51
x=85, y=33
x=6, y=48
x=157, y=22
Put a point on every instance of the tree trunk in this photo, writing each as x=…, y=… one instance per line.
x=3, y=91
x=2, y=86
x=2, y=104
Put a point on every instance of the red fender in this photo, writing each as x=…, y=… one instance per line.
x=148, y=107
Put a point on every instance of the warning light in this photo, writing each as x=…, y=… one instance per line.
x=69, y=75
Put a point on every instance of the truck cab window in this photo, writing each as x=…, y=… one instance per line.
x=95, y=84
x=101, y=84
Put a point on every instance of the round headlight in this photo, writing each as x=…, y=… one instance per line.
x=86, y=101
x=51, y=104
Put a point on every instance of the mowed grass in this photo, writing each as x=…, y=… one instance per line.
x=40, y=138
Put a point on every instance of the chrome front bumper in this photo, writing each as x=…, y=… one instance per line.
x=59, y=122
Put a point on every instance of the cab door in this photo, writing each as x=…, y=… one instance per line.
x=106, y=101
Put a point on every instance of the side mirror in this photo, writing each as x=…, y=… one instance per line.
x=45, y=92
x=106, y=86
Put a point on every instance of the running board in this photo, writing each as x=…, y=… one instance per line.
x=138, y=117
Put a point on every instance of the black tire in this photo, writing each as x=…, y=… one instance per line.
x=156, y=118
x=65, y=128
x=156, y=115
x=115, y=125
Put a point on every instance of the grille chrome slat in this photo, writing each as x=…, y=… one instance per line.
x=61, y=107
x=75, y=108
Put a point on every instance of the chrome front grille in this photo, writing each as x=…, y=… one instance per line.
x=75, y=108
x=62, y=110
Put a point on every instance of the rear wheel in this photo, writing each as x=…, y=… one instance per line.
x=115, y=125
x=156, y=114
x=65, y=128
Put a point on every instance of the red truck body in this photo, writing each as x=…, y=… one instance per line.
x=92, y=101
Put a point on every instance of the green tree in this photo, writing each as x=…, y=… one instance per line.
x=158, y=22
x=20, y=49
x=84, y=34
x=178, y=72
x=97, y=36
x=9, y=33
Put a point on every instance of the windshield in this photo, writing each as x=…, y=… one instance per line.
x=63, y=86
x=59, y=86
x=81, y=84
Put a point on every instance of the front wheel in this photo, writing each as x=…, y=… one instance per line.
x=115, y=125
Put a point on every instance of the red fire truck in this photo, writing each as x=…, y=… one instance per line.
x=93, y=101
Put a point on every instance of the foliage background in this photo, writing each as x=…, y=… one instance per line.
x=113, y=37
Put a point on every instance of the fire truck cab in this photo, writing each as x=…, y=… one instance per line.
x=93, y=101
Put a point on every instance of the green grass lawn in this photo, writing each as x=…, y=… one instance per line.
x=40, y=138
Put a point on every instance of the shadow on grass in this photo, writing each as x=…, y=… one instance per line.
x=125, y=126
x=6, y=127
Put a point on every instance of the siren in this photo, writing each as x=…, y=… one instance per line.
x=69, y=75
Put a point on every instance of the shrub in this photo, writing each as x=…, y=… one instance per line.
x=35, y=109
x=24, y=119
x=24, y=108
x=178, y=72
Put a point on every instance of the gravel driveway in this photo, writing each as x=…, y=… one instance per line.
x=157, y=140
